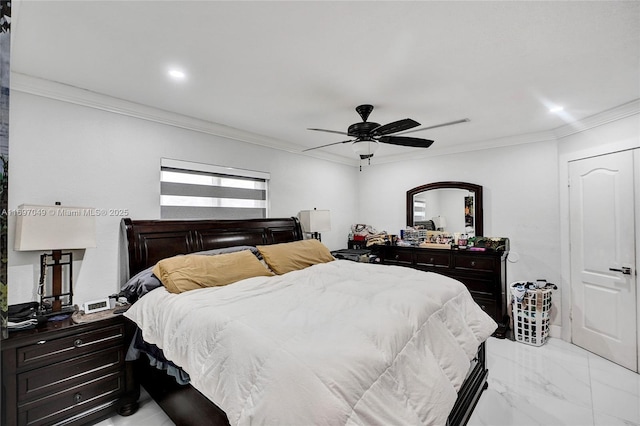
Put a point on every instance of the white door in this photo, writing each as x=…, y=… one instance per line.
x=603, y=276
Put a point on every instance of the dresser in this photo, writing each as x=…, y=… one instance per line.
x=483, y=272
x=67, y=373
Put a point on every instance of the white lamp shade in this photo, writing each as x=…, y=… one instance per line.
x=315, y=220
x=54, y=228
x=365, y=149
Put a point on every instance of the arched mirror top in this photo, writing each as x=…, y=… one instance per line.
x=456, y=205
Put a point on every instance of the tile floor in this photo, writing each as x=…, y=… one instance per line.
x=555, y=384
x=551, y=385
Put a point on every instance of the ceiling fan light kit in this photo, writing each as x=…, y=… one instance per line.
x=366, y=135
x=365, y=149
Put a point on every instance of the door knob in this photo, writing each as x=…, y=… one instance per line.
x=625, y=270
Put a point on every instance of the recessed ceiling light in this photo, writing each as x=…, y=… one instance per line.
x=556, y=109
x=177, y=74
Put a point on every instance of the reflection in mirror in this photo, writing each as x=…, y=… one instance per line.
x=453, y=207
x=449, y=210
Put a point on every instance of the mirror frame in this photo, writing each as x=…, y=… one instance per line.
x=476, y=189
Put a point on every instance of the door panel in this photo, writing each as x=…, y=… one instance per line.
x=602, y=238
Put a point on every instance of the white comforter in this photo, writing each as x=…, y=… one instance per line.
x=340, y=343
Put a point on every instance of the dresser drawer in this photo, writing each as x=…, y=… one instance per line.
x=475, y=263
x=47, y=352
x=482, y=286
x=487, y=305
x=63, y=375
x=433, y=259
x=94, y=395
x=399, y=257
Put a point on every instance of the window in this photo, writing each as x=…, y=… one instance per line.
x=203, y=191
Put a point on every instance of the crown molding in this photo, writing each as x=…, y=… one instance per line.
x=75, y=95
x=469, y=147
x=617, y=113
x=599, y=119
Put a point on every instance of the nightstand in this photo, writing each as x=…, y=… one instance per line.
x=68, y=373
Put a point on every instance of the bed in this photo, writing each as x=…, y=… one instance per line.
x=378, y=374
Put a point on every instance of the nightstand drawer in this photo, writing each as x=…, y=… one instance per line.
x=97, y=394
x=433, y=259
x=475, y=263
x=49, y=351
x=72, y=372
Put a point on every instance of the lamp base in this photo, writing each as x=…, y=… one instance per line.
x=58, y=299
x=316, y=235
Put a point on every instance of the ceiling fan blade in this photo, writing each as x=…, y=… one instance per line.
x=396, y=126
x=329, y=131
x=450, y=123
x=329, y=144
x=406, y=141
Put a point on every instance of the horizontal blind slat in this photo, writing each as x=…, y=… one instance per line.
x=211, y=191
x=171, y=212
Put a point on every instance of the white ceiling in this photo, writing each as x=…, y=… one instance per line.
x=276, y=68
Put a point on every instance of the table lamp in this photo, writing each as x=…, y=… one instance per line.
x=55, y=228
x=315, y=221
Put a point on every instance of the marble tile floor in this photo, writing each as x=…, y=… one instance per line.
x=556, y=384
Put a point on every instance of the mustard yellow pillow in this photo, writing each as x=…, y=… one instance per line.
x=287, y=257
x=190, y=272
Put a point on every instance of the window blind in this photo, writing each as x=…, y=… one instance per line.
x=202, y=191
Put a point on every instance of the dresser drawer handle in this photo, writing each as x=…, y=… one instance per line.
x=431, y=260
x=41, y=342
x=77, y=343
x=77, y=397
x=397, y=256
x=473, y=263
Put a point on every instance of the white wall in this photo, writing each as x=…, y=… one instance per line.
x=520, y=191
x=88, y=157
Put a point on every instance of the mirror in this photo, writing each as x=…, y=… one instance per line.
x=450, y=206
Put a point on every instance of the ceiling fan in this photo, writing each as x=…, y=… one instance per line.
x=366, y=135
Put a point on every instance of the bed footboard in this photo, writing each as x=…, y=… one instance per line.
x=471, y=389
x=182, y=403
x=187, y=406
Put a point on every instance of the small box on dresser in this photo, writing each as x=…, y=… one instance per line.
x=66, y=373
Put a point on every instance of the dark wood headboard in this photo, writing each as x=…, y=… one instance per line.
x=149, y=241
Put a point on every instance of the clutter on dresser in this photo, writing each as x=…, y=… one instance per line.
x=423, y=237
x=362, y=236
x=492, y=243
x=426, y=238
